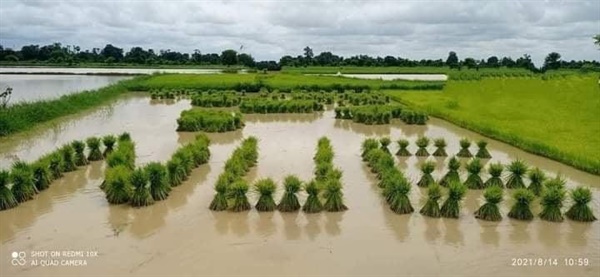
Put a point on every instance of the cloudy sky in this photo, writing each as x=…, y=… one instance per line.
x=270, y=29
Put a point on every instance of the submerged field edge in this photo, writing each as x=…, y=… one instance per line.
x=530, y=146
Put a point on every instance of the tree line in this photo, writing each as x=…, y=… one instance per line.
x=58, y=53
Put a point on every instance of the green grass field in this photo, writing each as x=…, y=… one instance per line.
x=557, y=118
x=394, y=69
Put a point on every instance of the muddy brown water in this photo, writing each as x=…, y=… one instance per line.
x=180, y=236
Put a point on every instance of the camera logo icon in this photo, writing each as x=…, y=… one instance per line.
x=18, y=258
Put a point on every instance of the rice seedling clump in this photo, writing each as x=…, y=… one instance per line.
x=109, y=144
x=440, y=145
x=426, y=178
x=334, y=197
x=118, y=186
x=313, y=203
x=265, y=188
x=289, y=201
x=490, y=211
x=93, y=144
x=68, y=158
x=464, y=148
x=23, y=180
x=194, y=120
x=495, y=180
x=451, y=207
x=237, y=192
x=141, y=195
x=516, y=169
x=551, y=201
x=474, y=181
x=80, y=158
x=452, y=174
x=7, y=198
x=368, y=145
x=157, y=177
x=41, y=175
x=264, y=106
x=520, y=209
x=432, y=207
x=537, y=179
x=422, y=143
x=403, y=151
x=385, y=142
x=580, y=211
x=482, y=153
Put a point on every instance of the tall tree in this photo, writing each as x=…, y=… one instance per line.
x=552, y=61
x=229, y=57
x=452, y=60
x=246, y=60
x=112, y=52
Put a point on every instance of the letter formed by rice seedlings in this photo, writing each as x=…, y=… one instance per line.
x=93, y=144
x=23, y=180
x=7, y=198
x=403, y=151
x=118, y=187
x=41, y=175
x=517, y=169
x=422, y=143
x=495, y=180
x=537, y=178
x=368, y=145
x=398, y=197
x=312, y=204
x=157, y=176
x=440, y=145
x=289, y=201
x=385, y=142
x=56, y=165
x=219, y=202
x=141, y=194
x=490, y=211
x=483, y=153
x=334, y=198
x=432, y=207
x=80, y=158
x=451, y=207
x=237, y=192
x=464, y=152
x=426, y=178
x=109, y=144
x=265, y=188
x=68, y=157
x=474, y=181
x=452, y=174
x=552, y=201
x=580, y=211
x=520, y=209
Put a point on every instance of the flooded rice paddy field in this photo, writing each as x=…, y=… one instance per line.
x=181, y=236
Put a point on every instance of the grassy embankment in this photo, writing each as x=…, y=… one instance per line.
x=115, y=65
x=557, y=118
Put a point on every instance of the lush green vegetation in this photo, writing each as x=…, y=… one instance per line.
x=209, y=121
x=216, y=99
x=263, y=106
x=380, y=114
x=517, y=111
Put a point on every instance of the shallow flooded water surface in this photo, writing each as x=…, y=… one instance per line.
x=181, y=236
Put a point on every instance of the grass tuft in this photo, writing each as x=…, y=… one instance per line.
x=490, y=211
x=580, y=211
x=452, y=174
x=464, y=152
x=451, y=207
x=422, y=143
x=520, y=209
x=432, y=207
x=517, y=169
x=403, y=151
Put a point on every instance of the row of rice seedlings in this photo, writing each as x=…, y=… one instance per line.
x=380, y=114
x=327, y=98
x=230, y=185
x=171, y=93
x=194, y=120
x=143, y=186
x=440, y=145
x=264, y=106
x=28, y=179
x=360, y=99
x=216, y=100
x=328, y=178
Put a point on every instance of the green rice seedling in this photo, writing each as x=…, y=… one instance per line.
x=23, y=180
x=474, y=181
x=452, y=174
x=580, y=211
x=7, y=198
x=482, y=153
x=174, y=172
x=398, y=198
x=551, y=201
x=495, y=180
x=56, y=165
x=556, y=182
x=219, y=202
x=451, y=207
x=187, y=162
x=464, y=148
x=537, y=178
x=93, y=144
x=390, y=181
x=422, y=143
x=118, y=186
x=520, y=209
x=334, y=198
x=368, y=145
x=426, y=178
x=289, y=200
x=157, y=177
x=109, y=144
x=141, y=195
x=440, y=145
x=490, y=211
x=68, y=159
x=403, y=152
x=312, y=204
x=265, y=188
x=385, y=142
x=125, y=136
x=80, y=158
x=322, y=170
x=432, y=207
x=517, y=169
x=41, y=175
x=237, y=191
